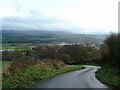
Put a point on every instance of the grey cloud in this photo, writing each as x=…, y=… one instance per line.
x=32, y=22
x=33, y=19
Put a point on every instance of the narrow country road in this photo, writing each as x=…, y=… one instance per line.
x=84, y=78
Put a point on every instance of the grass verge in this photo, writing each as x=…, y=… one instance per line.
x=109, y=75
x=32, y=74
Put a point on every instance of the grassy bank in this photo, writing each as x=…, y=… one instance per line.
x=109, y=75
x=32, y=74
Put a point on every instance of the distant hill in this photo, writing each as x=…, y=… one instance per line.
x=40, y=36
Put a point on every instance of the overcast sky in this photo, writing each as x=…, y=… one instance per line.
x=79, y=16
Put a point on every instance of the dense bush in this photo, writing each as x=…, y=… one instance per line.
x=73, y=54
x=111, y=49
x=66, y=58
x=45, y=52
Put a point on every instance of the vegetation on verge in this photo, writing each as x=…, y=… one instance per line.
x=21, y=76
x=109, y=75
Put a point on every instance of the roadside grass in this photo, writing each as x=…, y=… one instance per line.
x=33, y=74
x=109, y=75
x=28, y=76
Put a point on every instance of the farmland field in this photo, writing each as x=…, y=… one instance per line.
x=17, y=47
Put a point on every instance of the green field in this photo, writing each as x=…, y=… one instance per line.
x=6, y=44
x=17, y=47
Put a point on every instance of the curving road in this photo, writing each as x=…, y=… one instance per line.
x=84, y=78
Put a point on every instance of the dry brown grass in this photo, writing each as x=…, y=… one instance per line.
x=55, y=63
x=5, y=70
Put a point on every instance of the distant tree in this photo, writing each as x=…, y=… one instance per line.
x=50, y=53
x=46, y=52
x=77, y=53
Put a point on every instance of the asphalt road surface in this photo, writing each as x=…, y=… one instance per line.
x=84, y=78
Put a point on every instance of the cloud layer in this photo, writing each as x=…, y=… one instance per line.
x=79, y=16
